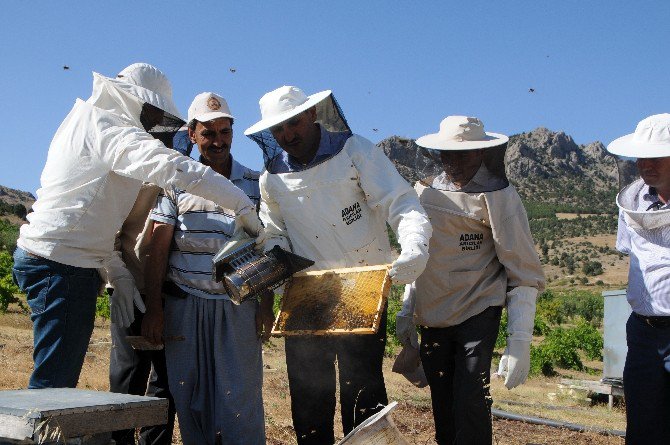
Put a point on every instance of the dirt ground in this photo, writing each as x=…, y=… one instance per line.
x=539, y=397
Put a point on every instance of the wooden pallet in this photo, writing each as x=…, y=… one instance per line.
x=333, y=302
x=597, y=387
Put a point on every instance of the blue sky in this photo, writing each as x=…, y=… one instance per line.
x=597, y=66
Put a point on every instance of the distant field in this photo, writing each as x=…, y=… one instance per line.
x=573, y=215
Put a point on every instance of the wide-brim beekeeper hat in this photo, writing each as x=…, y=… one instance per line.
x=286, y=102
x=461, y=133
x=282, y=104
x=651, y=139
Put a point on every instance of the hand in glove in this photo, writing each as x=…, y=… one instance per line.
x=123, y=301
x=125, y=292
x=253, y=226
x=405, y=330
x=515, y=363
x=411, y=262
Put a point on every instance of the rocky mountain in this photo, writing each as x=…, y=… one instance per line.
x=551, y=172
x=14, y=203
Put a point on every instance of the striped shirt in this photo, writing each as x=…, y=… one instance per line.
x=201, y=230
x=649, y=249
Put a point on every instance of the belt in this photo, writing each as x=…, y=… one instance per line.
x=32, y=255
x=172, y=289
x=659, y=322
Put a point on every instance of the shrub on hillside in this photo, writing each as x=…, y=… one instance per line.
x=7, y=286
x=561, y=348
x=102, y=306
x=9, y=233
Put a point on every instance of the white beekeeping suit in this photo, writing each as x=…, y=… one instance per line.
x=335, y=212
x=97, y=161
x=331, y=194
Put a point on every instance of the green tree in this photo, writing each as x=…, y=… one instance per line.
x=7, y=286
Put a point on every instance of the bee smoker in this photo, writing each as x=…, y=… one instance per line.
x=246, y=272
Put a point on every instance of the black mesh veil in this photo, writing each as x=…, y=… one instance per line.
x=328, y=114
x=470, y=171
x=159, y=123
x=628, y=172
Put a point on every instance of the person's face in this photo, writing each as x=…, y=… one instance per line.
x=298, y=136
x=214, y=139
x=461, y=165
x=655, y=172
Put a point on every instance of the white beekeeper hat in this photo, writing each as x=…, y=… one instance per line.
x=208, y=106
x=650, y=140
x=149, y=84
x=461, y=133
x=282, y=104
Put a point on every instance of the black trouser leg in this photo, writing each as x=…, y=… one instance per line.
x=158, y=387
x=310, y=362
x=129, y=373
x=646, y=383
x=457, y=362
x=362, y=389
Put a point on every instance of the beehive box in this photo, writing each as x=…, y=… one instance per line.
x=336, y=301
x=54, y=414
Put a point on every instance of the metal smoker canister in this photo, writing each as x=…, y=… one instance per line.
x=246, y=272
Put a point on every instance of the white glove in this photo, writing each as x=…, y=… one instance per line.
x=253, y=227
x=412, y=260
x=515, y=363
x=405, y=329
x=125, y=291
x=123, y=301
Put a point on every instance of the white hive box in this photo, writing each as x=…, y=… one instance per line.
x=60, y=414
x=617, y=311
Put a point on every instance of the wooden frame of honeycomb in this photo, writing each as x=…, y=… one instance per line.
x=335, y=301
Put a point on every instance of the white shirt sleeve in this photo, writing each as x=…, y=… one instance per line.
x=385, y=188
x=132, y=152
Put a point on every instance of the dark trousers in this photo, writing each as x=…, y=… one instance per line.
x=646, y=383
x=457, y=363
x=139, y=373
x=310, y=361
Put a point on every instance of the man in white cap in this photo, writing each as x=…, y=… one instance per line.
x=212, y=346
x=644, y=234
x=330, y=193
x=97, y=161
x=482, y=257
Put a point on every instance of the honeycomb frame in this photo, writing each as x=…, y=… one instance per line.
x=334, y=302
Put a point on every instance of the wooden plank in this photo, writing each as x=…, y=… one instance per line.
x=594, y=386
x=88, y=423
x=342, y=270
